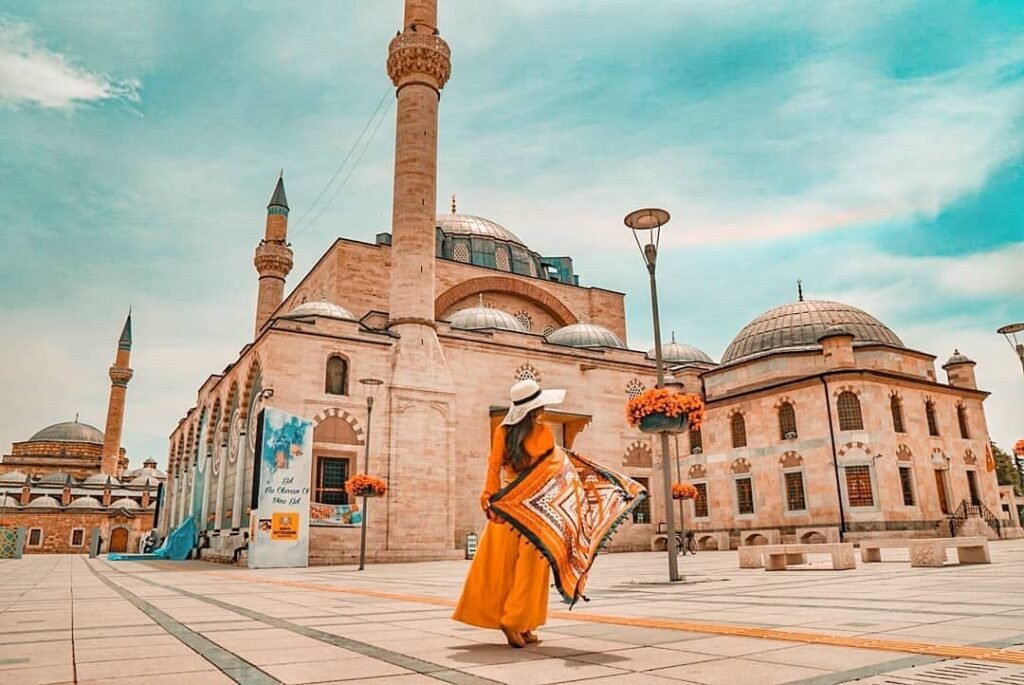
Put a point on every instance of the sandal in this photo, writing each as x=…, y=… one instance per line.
x=514, y=638
x=530, y=638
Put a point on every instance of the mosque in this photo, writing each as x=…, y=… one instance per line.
x=820, y=422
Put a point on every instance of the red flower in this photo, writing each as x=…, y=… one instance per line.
x=362, y=484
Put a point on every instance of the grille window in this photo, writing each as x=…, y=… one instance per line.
x=460, y=252
x=858, y=486
x=933, y=423
x=907, y=485
x=35, y=537
x=634, y=389
x=897, y=414
x=739, y=430
x=77, y=537
x=501, y=259
x=795, y=498
x=331, y=474
x=642, y=511
x=700, y=502
x=787, y=421
x=744, y=496
x=525, y=320
x=850, y=418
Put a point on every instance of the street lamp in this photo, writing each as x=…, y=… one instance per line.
x=646, y=224
x=370, y=386
x=1010, y=331
x=676, y=385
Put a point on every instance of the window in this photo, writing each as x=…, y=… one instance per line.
x=525, y=320
x=795, y=498
x=907, y=484
x=972, y=487
x=331, y=474
x=35, y=537
x=548, y=330
x=634, y=389
x=787, y=421
x=961, y=417
x=700, y=502
x=850, y=418
x=744, y=496
x=642, y=511
x=933, y=424
x=896, y=405
x=501, y=259
x=461, y=252
x=77, y=537
x=696, y=441
x=858, y=486
x=739, y=430
x=337, y=376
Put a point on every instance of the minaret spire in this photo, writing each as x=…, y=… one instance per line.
x=273, y=258
x=800, y=289
x=120, y=374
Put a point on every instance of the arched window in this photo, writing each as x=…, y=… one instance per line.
x=696, y=441
x=933, y=423
x=501, y=259
x=896, y=405
x=739, y=430
x=525, y=319
x=787, y=421
x=634, y=389
x=460, y=252
x=961, y=417
x=337, y=376
x=850, y=418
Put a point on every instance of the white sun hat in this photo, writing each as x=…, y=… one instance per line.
x=527, y=396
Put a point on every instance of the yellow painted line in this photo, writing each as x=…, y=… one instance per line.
x=852, y=642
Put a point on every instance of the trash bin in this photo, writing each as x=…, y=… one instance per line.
x=471, y=540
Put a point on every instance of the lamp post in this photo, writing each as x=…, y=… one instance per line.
x=672, y=383
x=370, y=385
x=647, y=223
x=1010, y=331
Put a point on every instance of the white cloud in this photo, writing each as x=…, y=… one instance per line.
x=32, y=74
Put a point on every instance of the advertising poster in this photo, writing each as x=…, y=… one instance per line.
x=279, y=527
x=336, y=514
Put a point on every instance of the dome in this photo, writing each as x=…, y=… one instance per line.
x=143, y=482
x=475, y=318
x=85, y=503
x=44, y=502
x=798, y=326
x=57, y=478
x=7, y=502
x=585, y=335
x=14, y=478
x=99, y=480
x=148, y=469
x=958, y=358
x=328, y=310
x=467, y=224
x=125, y=503
x=681, y=353
x=69, y=431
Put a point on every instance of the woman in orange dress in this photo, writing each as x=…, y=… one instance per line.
x=507, y=584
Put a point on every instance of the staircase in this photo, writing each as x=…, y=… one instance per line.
x=968, y=510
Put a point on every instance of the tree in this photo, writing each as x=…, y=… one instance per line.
x=1008, y=469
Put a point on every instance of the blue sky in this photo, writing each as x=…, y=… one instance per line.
x=872, y=149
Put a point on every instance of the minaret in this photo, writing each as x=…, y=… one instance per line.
x=120, y=374
x=273, y=256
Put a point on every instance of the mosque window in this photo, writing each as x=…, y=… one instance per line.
x=35, y=537
x=961, y=417
x=696, y=441
x=896, y=405
x=700, y=502
x=526, y=372
x=336, y=382
x=483, y=253
x=933, y=423
x=460, y=252
x=858, y=486
x=548, y=330
x=501, y=259
x=907, y=485
x=525, y=319
x=331, y=474
x=739, y=430
x=744, y=495
x=850, y=418
x=634, y=389
x=642, y=511
x=796, y=499
x=77, y=537
x=787, y=421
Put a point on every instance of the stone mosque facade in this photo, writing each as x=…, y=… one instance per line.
x=820, y=421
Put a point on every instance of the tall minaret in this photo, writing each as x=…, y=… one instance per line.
x=273, y=256
x=419, y=65
x=120, y=374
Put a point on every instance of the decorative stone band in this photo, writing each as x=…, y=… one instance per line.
x=419, y=58
x=119, y=376
x=273, y=259
x=405, y=320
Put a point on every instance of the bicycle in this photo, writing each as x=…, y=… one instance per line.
x=689, y=545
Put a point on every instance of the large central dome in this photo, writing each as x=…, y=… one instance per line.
x=799, y=325
x=468, y=224
x=69, y=431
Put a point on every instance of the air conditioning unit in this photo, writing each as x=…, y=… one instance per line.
x=696, y=450
x=791, y=435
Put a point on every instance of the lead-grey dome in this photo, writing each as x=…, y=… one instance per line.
x=85, y=503
x=585, y=335
x=57, y=479
x=476, y=318
x=125, y=503
x=328, y=310
x=99, y=481
x=468, y=224
x=798, y=326
x=69, y=431
x=13, y=478
x=681, y=353
x=44, y=502
x=958, y=358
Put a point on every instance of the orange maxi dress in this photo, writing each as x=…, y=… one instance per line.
x=508, y=580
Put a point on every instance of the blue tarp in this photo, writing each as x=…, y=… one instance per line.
x=175, y=548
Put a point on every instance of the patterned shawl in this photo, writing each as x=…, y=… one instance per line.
x=567, y=506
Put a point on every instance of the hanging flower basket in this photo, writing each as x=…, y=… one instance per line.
x=362, y=485
x=662, y=411
x=683, y=491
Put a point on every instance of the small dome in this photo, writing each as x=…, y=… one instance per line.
x=44, y=502
x=322, y=308
x=681, y=353
x=125, y=503
x=57, y=479
x=476, y=318
x=7, y=502
x=585, y=335
x=85, y=503
x=13, y=478
x=958, y=358
x=468, y=224
x=148, y=469
x=798, y=326
x=69, y=431
x=143, y=482
x=99, y=480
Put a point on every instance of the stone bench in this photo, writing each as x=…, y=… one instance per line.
x=932, y=551
x=871, y=550
x=779, y=557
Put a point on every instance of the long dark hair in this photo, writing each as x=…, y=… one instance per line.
x=515, y=454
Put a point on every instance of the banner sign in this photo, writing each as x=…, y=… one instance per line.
x=279, y=526
x=335, y=514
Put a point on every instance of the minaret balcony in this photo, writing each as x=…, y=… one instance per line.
x=419, y=58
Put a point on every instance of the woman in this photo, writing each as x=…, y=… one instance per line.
x=507, y=585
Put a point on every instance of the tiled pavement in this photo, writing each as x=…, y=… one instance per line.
x=66, y=619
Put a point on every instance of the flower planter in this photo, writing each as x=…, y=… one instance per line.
x=661, y=423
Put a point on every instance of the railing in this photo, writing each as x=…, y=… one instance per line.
x=968, y=510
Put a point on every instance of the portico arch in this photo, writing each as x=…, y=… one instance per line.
x=503, y=284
